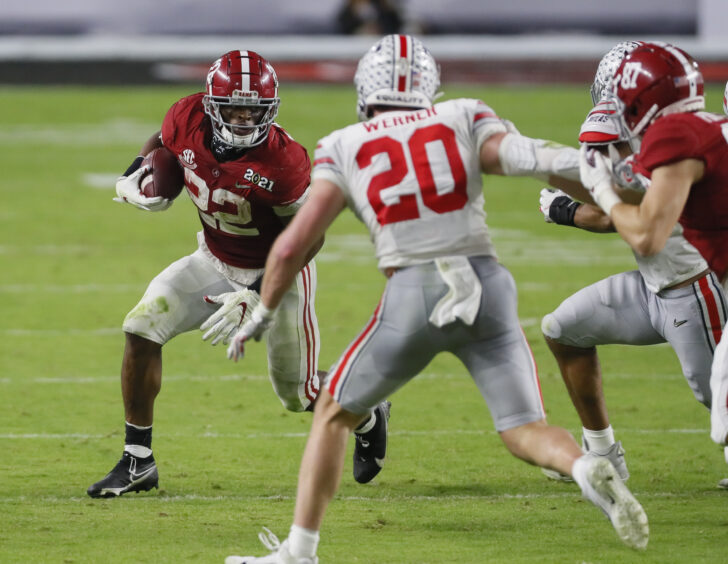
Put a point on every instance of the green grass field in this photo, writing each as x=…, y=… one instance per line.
x=74, y=262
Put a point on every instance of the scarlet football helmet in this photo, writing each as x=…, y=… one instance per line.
x=608, y=66
x=241, y=79
x=654, y=80
x=399, y=71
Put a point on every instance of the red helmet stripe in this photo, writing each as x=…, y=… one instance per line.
x=403, y=54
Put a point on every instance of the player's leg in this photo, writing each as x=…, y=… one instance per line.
x=719, y=386
x=172, y=304
x=614, y=310
x=693, y=318
x=500, y=361
x=354, y=386
x=293, y=350
x=293, y=344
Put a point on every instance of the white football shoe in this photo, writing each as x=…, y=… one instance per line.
x=723, y=484
x=279, y=553
x=604, y=489
x=615, y=454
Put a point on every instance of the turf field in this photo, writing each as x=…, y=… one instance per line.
x=73, y=263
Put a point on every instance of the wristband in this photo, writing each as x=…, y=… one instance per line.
x=134, y=166
x=562, y=210
x=607, y=199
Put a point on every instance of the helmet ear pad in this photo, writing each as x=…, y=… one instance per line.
x=397, y=71
x=241, y=78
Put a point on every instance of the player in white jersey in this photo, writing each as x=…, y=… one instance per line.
x=411, y=171
x=672, y=297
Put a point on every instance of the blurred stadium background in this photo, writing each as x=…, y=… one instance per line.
x=482, y=41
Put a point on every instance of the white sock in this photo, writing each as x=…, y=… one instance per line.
x=599, y=441
x=578, y=471
x=302, y=542
x=138, y=450
x=367, y=425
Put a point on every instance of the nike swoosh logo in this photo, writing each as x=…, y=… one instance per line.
x=134, y=476
x=379, y=461
x=677, y=323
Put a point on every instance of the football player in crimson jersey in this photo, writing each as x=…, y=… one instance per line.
x=247, y=177
x=658, y=95
x=411, y=171
x=672, y=297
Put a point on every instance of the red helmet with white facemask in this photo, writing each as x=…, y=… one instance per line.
x=654, y=80
x=241, y=79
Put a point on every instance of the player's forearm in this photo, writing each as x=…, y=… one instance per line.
x=591, y=218
x=285, y=260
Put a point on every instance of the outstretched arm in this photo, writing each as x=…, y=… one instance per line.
x=512, y=154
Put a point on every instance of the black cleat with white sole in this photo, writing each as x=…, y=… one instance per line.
x=131, y=474
x=371, y=446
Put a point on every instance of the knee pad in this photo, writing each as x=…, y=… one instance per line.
x=550, y=326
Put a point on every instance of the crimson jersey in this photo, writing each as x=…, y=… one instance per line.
x=242, y=203
x=702, y=136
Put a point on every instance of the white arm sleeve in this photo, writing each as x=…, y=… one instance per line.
x=523, y=156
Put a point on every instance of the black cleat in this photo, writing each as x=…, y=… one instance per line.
x=371, y=447
x=131, y=474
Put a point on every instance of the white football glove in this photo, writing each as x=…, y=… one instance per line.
x=235, y=308
x=548, y=195
x=128, y=190
x=596, y=176
x=260, y=319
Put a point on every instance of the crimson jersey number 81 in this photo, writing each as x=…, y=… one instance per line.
x=406, y=205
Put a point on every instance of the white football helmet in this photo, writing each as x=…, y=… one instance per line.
x=397, y=71
x=725, y=99
x=608, y=66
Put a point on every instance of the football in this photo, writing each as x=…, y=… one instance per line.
x=166, y=177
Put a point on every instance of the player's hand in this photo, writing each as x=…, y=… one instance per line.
x=548, y=195
x=596, y=176
x=558, y=207
x=128, y=190
x=260, y=319
x=235, y=308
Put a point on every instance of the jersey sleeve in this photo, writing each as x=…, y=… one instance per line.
x=169, y=125
x=668, y=141
x=485, y=122
x=324, y=162
x=298, y=178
